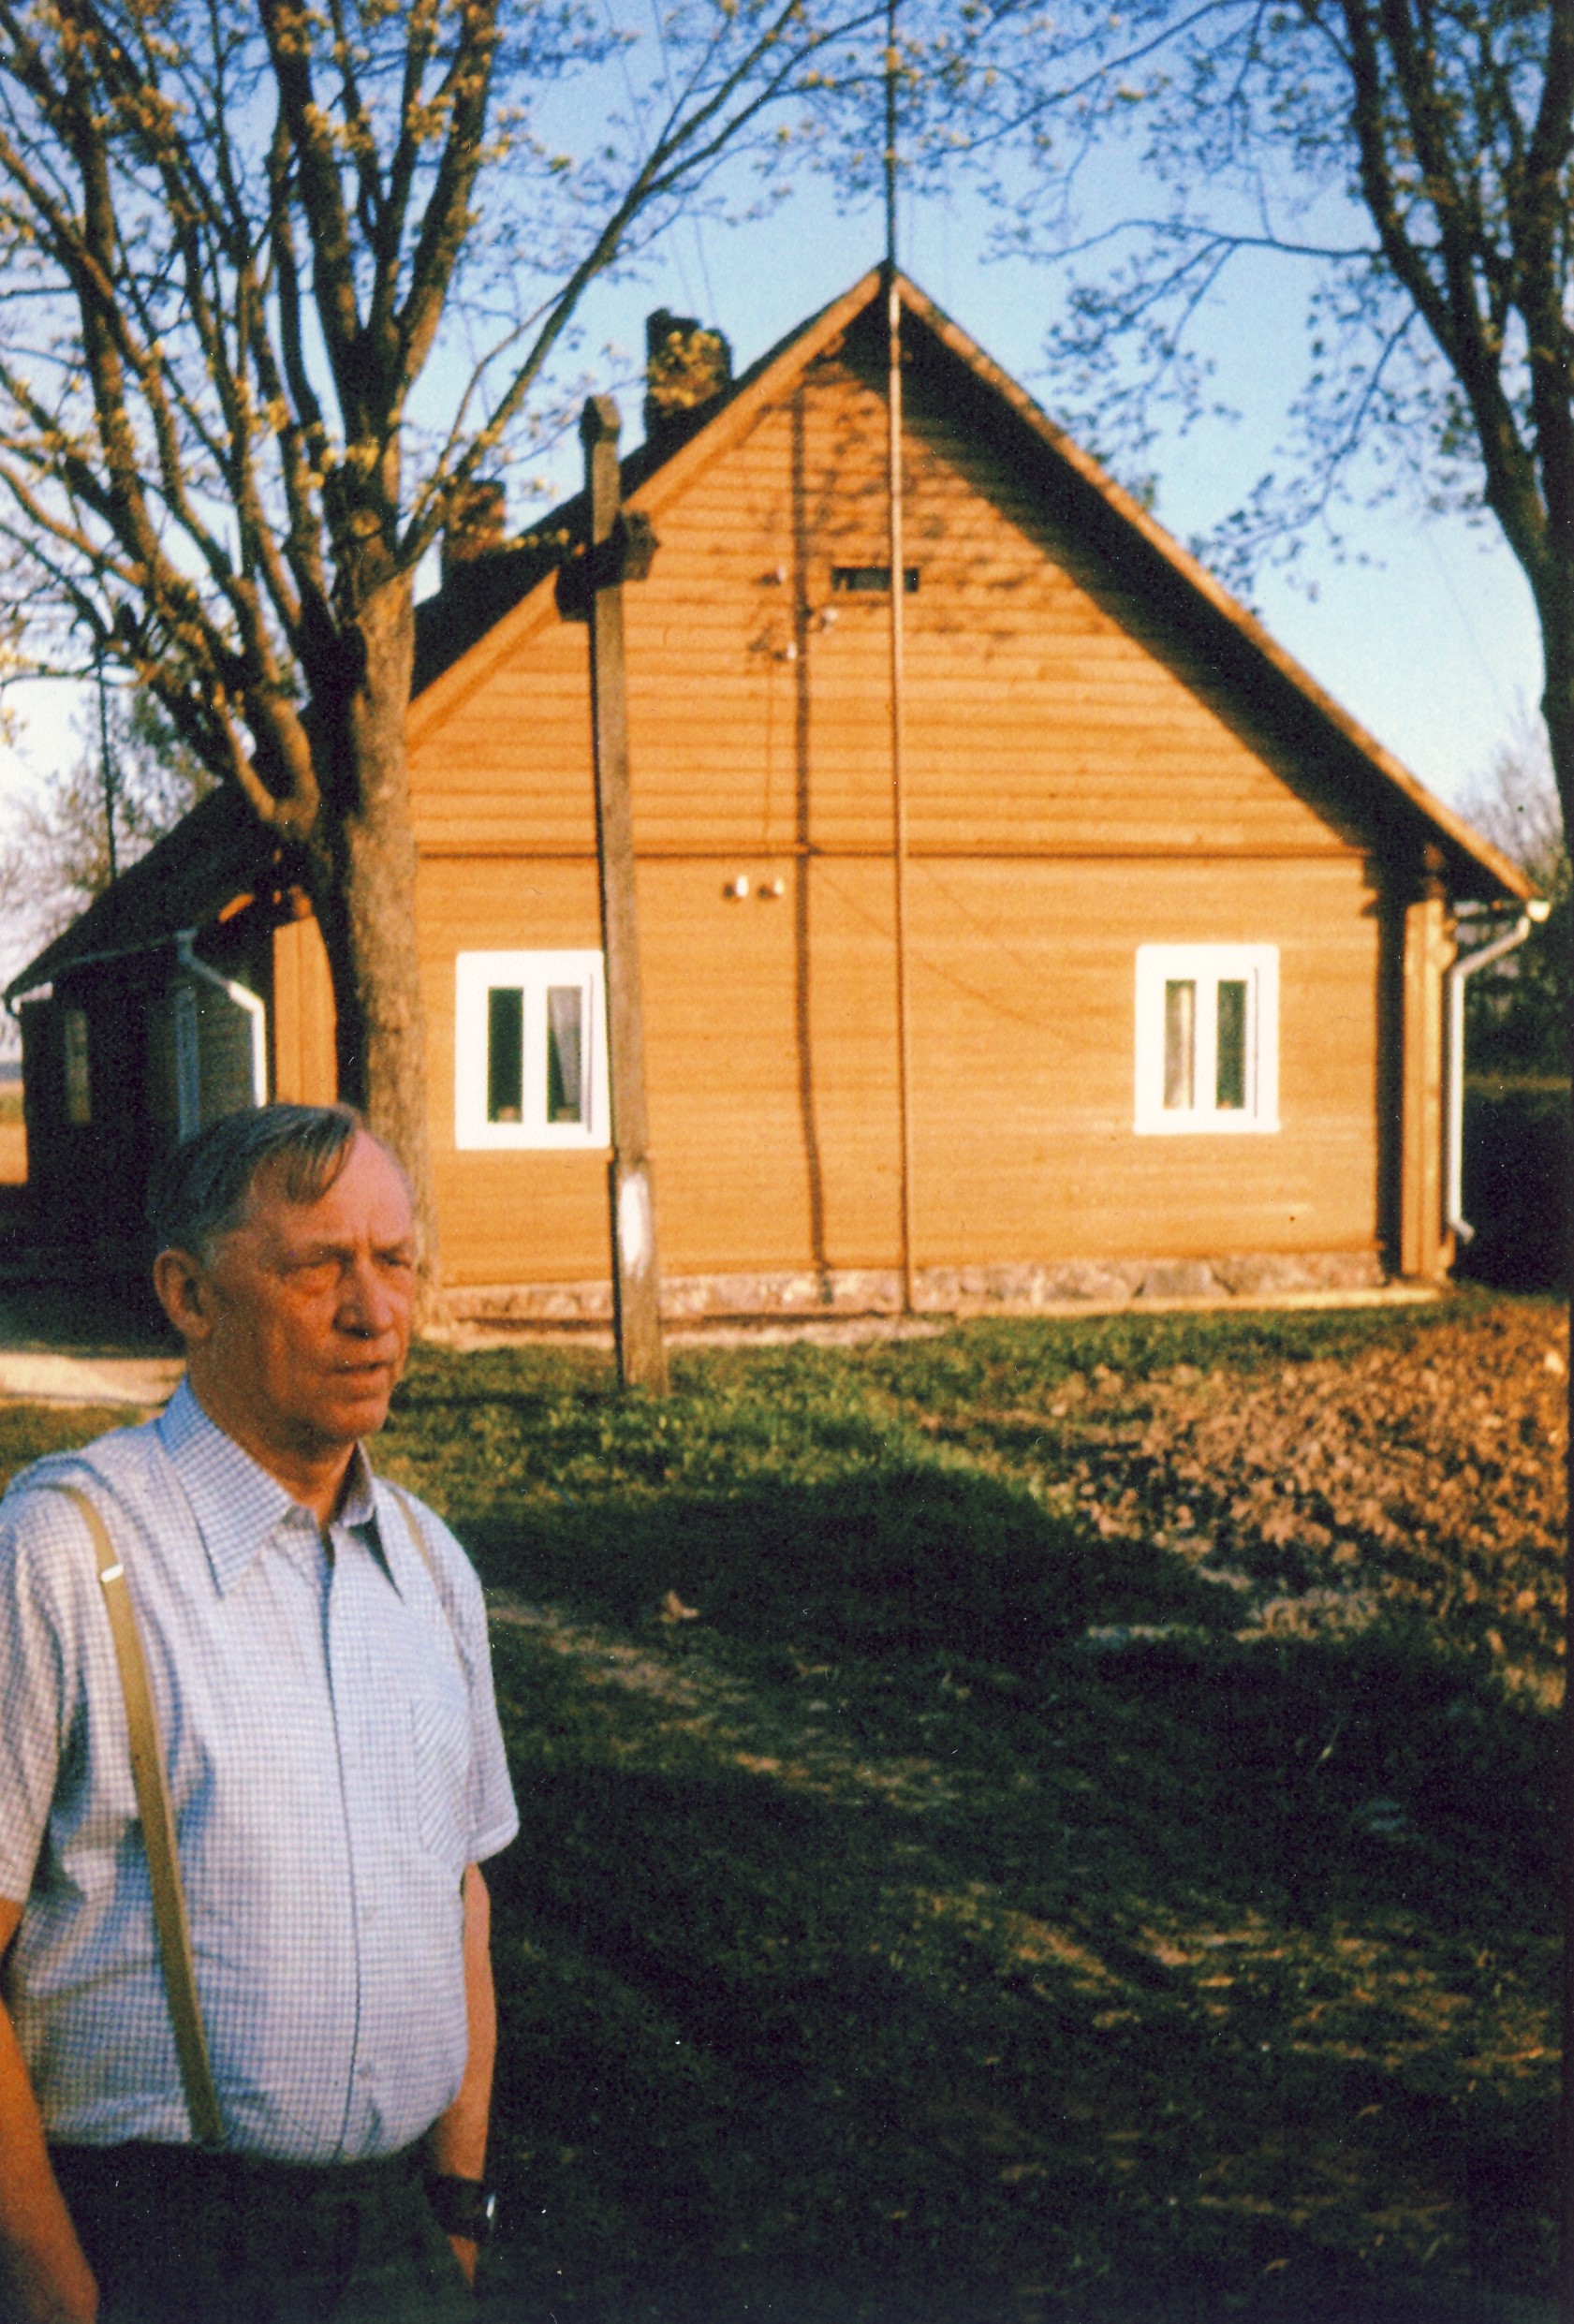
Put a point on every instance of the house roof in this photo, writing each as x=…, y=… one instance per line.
x=483, y=608
x=219, y=850
x=213, y=854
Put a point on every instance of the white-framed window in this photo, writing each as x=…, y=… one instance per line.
x=1207, y=1038
x=530, y=1050
x=79, y=1081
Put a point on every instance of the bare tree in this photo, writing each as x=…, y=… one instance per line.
x=233, y=235
x=68, y=838
x=1415, y=158
x=1418, y=158
x=1515, y=802
x=1520, y=1010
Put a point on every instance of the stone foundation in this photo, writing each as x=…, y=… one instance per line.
x=1244, y=1275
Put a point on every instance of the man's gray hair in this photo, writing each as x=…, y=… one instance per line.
x=204, y=1190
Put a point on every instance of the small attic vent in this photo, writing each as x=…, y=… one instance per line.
x=869, y=580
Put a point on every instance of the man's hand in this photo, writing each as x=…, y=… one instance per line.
x=48, y=2288
x=456, y=2143
x=44, y=2278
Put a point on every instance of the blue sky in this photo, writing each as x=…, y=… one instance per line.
x=1424, y=628
x=1425, y=631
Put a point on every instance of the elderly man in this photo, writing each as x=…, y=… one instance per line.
x=316, y=1650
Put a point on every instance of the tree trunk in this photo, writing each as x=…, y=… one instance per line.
x=1555, y=607
x=364, y=894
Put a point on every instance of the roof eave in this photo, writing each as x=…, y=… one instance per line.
x=215, y=852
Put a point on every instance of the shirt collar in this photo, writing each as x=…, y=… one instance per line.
x=238, y=1506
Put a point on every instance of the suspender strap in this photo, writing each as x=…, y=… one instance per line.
x=407, y=1513
x=159, y=1834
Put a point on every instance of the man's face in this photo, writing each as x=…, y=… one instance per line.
x=298, y=1329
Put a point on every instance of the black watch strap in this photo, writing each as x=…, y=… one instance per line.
x=463, y=2207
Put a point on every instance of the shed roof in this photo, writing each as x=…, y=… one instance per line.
x=213, y=854
x=219, y=850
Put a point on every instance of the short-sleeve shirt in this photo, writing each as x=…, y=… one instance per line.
x=334, y=1763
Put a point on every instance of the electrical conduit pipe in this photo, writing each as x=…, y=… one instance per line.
x=1463, y=969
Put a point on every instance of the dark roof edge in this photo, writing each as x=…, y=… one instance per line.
x=519, y=571
x=221, y=844
x=214, y=853
x=476, y=595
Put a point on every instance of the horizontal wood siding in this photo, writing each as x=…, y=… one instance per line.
x=1077, y=788
x=1044, y=711
x=771, y=1068
x=1023, y=1014
x=513, y=1217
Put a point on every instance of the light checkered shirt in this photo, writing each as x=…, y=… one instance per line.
x=334, y=1763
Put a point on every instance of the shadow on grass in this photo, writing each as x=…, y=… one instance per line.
x=879, y=1945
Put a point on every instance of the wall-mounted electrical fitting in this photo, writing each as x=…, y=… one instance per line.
x=736, y=889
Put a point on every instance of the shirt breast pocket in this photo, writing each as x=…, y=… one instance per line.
x=440, y=1730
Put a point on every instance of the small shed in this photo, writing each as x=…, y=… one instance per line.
x=1177, y=927
x=155, y=1023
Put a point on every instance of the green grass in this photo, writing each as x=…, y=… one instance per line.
x=28, y=1432
x=879, y=1945
x=944, y=1897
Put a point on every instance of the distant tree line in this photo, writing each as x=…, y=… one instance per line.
x=1520, y=1011
x=130, y=782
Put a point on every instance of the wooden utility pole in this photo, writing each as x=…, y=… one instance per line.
x=635, y=1274
x=897, y=553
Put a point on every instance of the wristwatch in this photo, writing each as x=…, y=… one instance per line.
x=463, y=2207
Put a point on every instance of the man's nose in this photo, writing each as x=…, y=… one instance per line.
x=367, y=1306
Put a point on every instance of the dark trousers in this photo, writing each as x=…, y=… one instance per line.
x=176, y=2236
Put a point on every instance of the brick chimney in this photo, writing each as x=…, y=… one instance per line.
x=475, y=524
x=687, y=367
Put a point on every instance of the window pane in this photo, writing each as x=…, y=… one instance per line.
x=504, y=1053
x=565, y=1053
x=867, y=579
x=1230, y=1094
x=78, y=1092
x=1180, y=1046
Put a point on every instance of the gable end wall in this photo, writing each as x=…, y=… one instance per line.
x=1078, y=784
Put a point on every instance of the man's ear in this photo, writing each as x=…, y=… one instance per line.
x=181, y=1285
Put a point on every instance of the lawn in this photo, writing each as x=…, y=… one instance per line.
x=1050, y=1821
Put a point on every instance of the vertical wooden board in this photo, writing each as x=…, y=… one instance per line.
x=1428, y=950
x=306, y=1070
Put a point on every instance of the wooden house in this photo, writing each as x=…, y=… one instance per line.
x=1175, y=929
